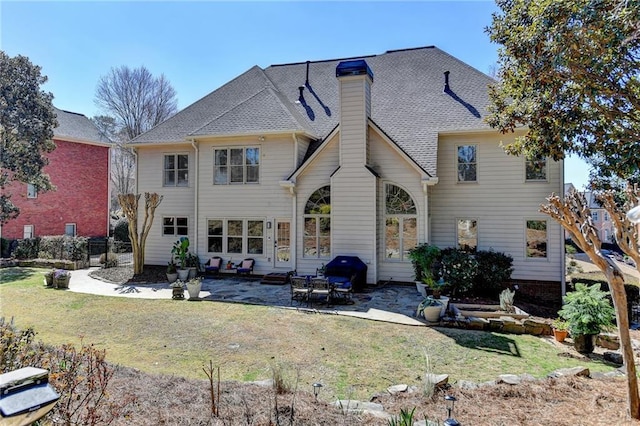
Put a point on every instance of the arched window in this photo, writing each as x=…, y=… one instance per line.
x=401, y=230
x=317, y=224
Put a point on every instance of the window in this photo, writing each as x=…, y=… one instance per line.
x=317, y=224
x=536, y=169
x=32, y=191
x=468, y=235
x=176, y=170
x=175, y=226
x=536, y=238
x=235, y=236
x=70, y=229
x=28, y=231
x=236, y=165
x=401, y=231
x=467, y=163
x=594, y=216
x=606, y=216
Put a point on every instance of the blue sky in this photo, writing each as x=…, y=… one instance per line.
x=201, y=45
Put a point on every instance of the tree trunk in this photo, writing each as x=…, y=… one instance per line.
x=574, y=216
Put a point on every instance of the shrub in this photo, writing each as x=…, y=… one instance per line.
x=494, y=269
x=121, y=230
x=109, y=260
x=587, y=310
x=27, y=248
x=458, y=269
x=569, y=249
x=63, y=247
x=424, y=258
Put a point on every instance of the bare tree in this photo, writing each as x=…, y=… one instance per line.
x=136, y=99
x=129, y=203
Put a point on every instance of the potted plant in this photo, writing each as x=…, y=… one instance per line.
x=423, y=258
x=177, y=290
x=588, y=312
x=180, y=251
x=194, y=285
x=193, y=263
x=61, y=278
x=430, y=309
x=48, y=277
x=560, y=329
x=172, y=272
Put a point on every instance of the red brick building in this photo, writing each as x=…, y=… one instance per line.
x=79, y=169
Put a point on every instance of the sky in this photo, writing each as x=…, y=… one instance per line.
x=201, y=45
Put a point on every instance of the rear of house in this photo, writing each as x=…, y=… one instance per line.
x=295, y=164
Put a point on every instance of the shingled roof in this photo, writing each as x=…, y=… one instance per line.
x=408, y=99
x=77, y=127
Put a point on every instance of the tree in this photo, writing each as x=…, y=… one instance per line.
x=129, y=204
x=136, y=99
x=569, y=72
x=27, y=120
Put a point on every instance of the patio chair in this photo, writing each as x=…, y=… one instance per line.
x=299, y=290
x=213, y=265
x=320, y=287
x=246, y=267
x=344, y=291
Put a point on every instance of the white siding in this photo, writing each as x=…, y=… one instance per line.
x=393, y=168
x=353, y=120
x=500, y=200
x=176, y=201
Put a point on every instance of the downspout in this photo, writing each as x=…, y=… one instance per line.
x=195, y=195
x=294, y=207
x=135, y=155
x=295, y=151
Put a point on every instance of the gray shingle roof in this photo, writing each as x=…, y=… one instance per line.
x=76, y=126
x=408, y=102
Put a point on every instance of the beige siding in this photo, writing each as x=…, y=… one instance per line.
x=316, y=175
x=353, y=121
x=176, y=201
x=393, y=168
x=500, y=200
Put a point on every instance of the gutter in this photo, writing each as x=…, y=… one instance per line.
x=194, y=144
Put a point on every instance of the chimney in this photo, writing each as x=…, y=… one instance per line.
x=446, y=82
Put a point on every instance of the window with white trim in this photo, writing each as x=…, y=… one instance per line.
x=235, y=236
x=27, y=231
x=176, y=170
x=32, y=191
x=70, y=229
x=467, y=163
x=594, y=216
x=536, y=169
x=537, y=238
x=236, y=165
x=175, y=225
x=467, y=235
x=401, y=223
x=317, y=224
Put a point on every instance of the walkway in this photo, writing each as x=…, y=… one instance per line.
x=392, y=303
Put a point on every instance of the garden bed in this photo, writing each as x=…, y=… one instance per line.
x=487, y=311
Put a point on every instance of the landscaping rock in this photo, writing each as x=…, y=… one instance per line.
x=510, y=379
x=574, y=371
x=475, y=323
x=537, y=328
x=614, y=357
x=352, y=406
x=397, y=389
x=495, y=324
x=438, y=380
x=264, y=383
x=465, y=384
x=608, y=341
x=513, y=327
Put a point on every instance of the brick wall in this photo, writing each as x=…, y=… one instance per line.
x=81, y=174
x=540, y=291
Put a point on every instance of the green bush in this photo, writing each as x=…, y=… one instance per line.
x=587, y=309
x=424, y=258
x=569, y=249
x=121, y=230
x=459, y=269
x=494, y=269
x=27, y=248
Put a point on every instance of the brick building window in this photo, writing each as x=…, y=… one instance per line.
x=28, y=232
x=70, y=229
x=32, y=191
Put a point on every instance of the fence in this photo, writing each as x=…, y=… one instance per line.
x=109, y=253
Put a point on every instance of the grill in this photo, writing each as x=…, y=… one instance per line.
x=348, y=266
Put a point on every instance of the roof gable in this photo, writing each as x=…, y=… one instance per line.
x=78, y=127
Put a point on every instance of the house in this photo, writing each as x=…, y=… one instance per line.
x=79, y=169
x=600, y=217
x=297, y=163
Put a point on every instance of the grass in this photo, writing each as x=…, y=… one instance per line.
x=352, y=358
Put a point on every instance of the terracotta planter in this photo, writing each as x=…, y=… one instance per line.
x=584, y=343
x=560, y=335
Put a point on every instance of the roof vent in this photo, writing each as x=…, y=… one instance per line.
x=301, y=89
x=357, y=67
x=446, y=82
x=306, y=82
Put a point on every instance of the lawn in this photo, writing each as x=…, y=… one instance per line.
x=353, y=358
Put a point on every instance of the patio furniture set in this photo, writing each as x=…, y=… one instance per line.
x=325, y=289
